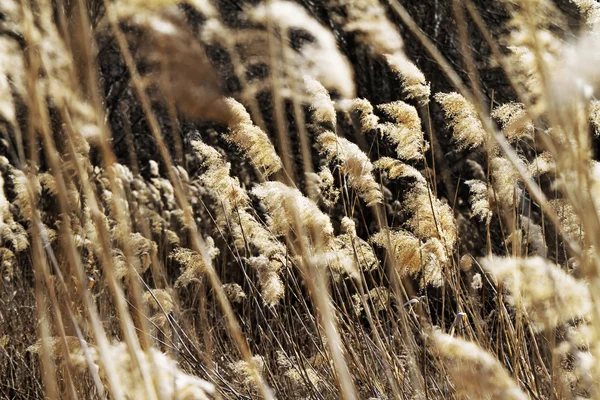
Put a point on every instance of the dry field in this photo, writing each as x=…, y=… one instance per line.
x=299, y=199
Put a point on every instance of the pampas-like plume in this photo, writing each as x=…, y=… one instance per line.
x=248, y=372
x=477, y=282
x=11, y=75
x=431, y=217
x=235, y=293
x=339, y=261
x=23, y=200
x=10, y=230
x=357, y=166
x=466, y=125
x=405, y=133
x=251, y=140
x=352, y=253
x=367, y=20
x=283, y=202
x=474, y=371
x=411, y=256
x=569, y=220
x=320, y=59
x=508, y=114
x=481, y=199
x=192, y=262
x=413, y=80
x=348, y=226
x=322, y=187
x=218, y=178
x=55, y=346
x=321, y=105
x=233, y=213
x=397, y=169
x=542, y=164
x=505, y=181
x=168, y=380
x=163, y=297
x=595, y=116
x=549, y=295
x=359, y=253
x=363, y=108
x=257, y=236
x=8, y=262
x=14, y=233
x=590, y=9
x=533, y=235
x=524, y=67
x=161, y=304
x=272, y=288
x=144, y=249
x=437, y=259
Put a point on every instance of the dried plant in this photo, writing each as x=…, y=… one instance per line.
x=481, y=199
x=357, y=166
x=169, y=380
x=475, y=371
x=509, y=116
x=397, y=169
x=430, y=216
x=200, y=177
x=368, y=21
x=467, y=129
x=251, y=140
x=412, y=256
x=590, y=9
x=405, y=132
x=284, y=204
x=505, y=181
x=319, y=59
x=413, y=80
x=549, y=295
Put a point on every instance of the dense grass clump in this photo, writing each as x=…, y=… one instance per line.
x=210, y=199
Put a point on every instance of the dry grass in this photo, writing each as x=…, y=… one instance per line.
x=196, y=205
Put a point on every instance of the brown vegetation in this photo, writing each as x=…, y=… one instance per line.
x=201, y=200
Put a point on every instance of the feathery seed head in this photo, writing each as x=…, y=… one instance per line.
x=397, y=169
x=481, y=199
x=475, y=371
x=506, y=180
x=464, y=121
x=405, y=132
x=509, y=114
x=357, y=165
x=364, y=110
x=321, y=104
x=431, y=218
x=549, y=295
x=251, y=140
x=413, y=80
x=283, y=203
x=234, y=292
x=321, y=59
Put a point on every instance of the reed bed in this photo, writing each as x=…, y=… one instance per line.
x=201, y=199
